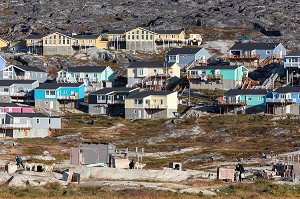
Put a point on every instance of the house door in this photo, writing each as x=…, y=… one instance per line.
x=51, y=104
x=139, y=113
x=26, y=133
x=177, y=59
x=280, y=53
x=288, y=109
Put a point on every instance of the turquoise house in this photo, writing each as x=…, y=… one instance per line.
x=244, y=101
x=58, y=96
x=86, y=74
x=223, y=77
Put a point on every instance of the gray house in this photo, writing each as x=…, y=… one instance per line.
x=23, y=73
x=109, y=101
x=186, y=56
x=17, y=90
x=28, y=125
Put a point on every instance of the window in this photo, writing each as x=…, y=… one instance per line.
x=268, y=52
x=128, y=36
x=90, y=41
x=63, y=39
x=260, y=98
x=68, y=41
x=17, y=120
x=50, y=40
x=161, y=102
x=151, y=37
x=86, y=75
x=50, y=94
x=95, y=75
x=37, y=121
x=6, y=90
x=54, y=39
x=146, y=36
x=32, y=41
x=249, y=98
x=193, y=72
x=65, y=92
x=173, y=36
x=46, y=102
x=101, y=97
x=138, y=101
x=132, y=36
x=143, y=37
x=299, y=96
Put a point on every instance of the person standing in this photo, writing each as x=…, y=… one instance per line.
x=131, y=164
x=19, y=161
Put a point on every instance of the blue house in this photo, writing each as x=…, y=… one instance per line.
x=187, y=56
x=56, y=96
x=284, y=100
x=256, y=54
x=243, y=101
x=292, y=65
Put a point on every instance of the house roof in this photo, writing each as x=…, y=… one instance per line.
x=148, y=65
x=4, y=40
x=186, y=51
x=105, y=91
x=65, y=34
x=116, y=32
x=288, y=89
x=246, y=92
x=58, y=85
x=87, y=36
x=254, y=46
x=30, y=68
x=33, y=36
x=168, y=31
x=31, y=115
x=3, y=104
x=209, y=67
x=144, y=94
x=87, y=69
x=11, y=82
x=294, y=53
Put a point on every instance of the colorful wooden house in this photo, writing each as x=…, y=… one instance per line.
x=292, y=66
x=284, y=100
x=116, y=39
x=34, y=43
x=23, y=73
x=151, y=104
x=142, y=39
x=59, y=96
x=17, y=90
x=14, y=108
x=28, y=125
x=216, y=77
x=187, y=57
x=153, y=75
x=3, y=44
x=243, y=101
x=256, y=54
x=109, y=101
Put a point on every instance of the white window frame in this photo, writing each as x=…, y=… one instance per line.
x=49, y=95
x=260, y=98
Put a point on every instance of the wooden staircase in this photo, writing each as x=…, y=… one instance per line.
x=249, y=83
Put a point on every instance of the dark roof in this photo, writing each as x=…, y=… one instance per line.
x=246, y=92
x=294, y=53
x=30, y=68
x=116, y=32
x=144, y=94
x=57, y=85
x=114, y=89
x=288, y=89
x=167, y=31
x=3, y=104
x=85, y=36
x=146, y=65
x=178, y=51
x=11, y=82
x=27, y=115
x=254, y=46
x=87, y=69
x=208, y=67
x=32, y=36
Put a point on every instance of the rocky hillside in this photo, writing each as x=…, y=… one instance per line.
x=272, y=18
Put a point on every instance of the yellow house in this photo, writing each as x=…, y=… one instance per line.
x=34, y=43
x=151, y=104
x=3, y=44
x=153, y=75
x=89, y=41
x=115, y=35
x=195, y=39
x=148, y=40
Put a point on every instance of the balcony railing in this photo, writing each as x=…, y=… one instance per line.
x=15, y=126
x=21, y=78
x=115, y=102
x=74, y=97
x=19, y=94
x=292, y=64
x=83, y=44
x=147, y=106
x=280, y=100
x=243, y=57
x=232, y=102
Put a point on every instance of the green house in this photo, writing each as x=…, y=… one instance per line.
x=244, y=101
x=223, y=77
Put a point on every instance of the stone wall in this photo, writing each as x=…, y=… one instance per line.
x=59, y=50
x=225, y=85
